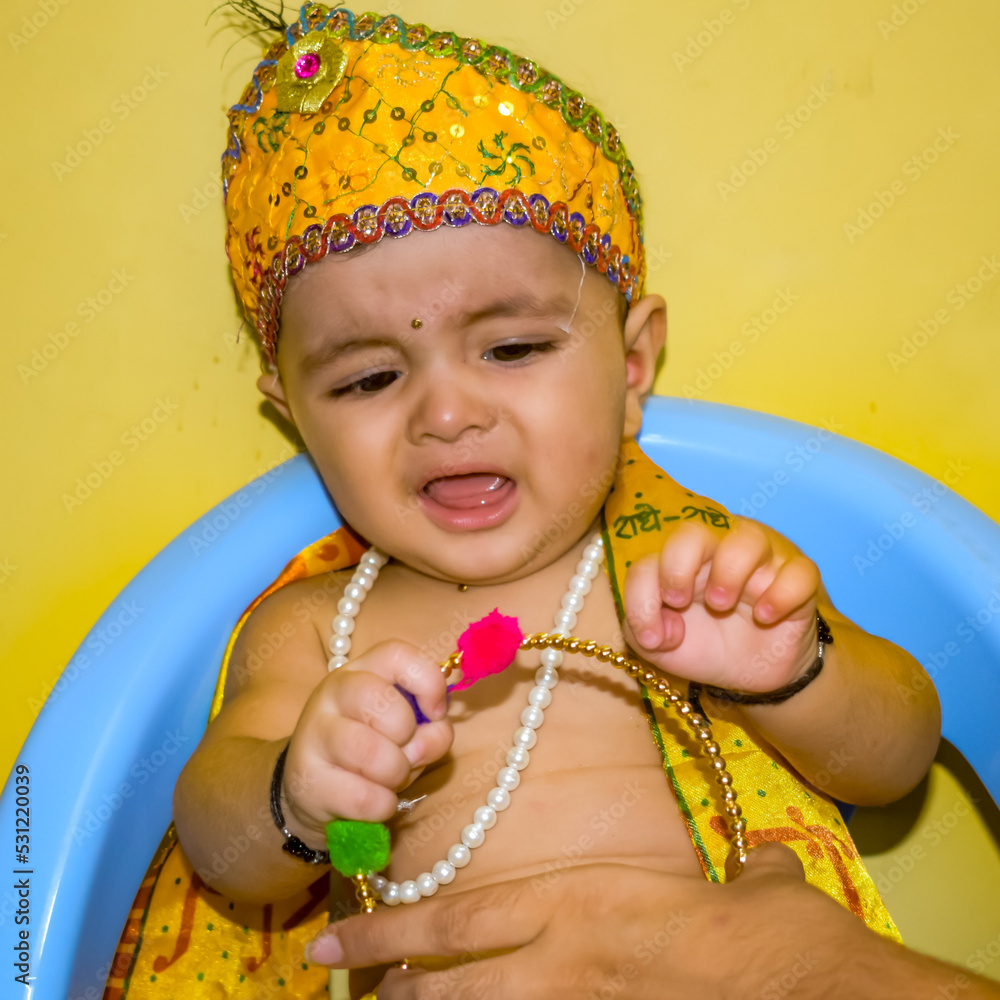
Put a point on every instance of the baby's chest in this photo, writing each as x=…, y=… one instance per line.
x=590, y=788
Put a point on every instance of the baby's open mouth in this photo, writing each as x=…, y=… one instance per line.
x=467, y=492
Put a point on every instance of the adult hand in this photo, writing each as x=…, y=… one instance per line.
x=614, y=931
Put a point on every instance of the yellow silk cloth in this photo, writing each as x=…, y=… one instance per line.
x=183, y=939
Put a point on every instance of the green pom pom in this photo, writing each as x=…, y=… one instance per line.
x=357, y=848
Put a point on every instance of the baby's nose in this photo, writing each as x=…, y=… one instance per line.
x=451, y=404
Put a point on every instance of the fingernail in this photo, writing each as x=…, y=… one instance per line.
x=412, y=753
x=718, y=595
x=673, y=597
x=649, y=638
x=765, y=612
x=324, y=949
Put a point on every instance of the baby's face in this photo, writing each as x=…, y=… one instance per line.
x=462, y=393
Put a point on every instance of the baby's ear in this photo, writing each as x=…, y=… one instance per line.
x=270, y=385
x=644, y=336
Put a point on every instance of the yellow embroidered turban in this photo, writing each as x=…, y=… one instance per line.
x=354, y=128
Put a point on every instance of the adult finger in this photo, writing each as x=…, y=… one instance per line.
x=772, y=859
x=473, y=978
x=480, y=920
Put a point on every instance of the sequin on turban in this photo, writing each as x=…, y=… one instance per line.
x=354, y=128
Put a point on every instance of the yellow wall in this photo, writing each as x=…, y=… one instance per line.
x=135, y=226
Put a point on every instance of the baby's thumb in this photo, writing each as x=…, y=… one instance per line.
x=643, y=604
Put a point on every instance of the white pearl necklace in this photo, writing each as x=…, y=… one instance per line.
x=539, y=697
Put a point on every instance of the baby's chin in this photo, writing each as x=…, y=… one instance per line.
x=475, y=560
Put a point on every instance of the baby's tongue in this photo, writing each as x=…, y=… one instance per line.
x=465, y=492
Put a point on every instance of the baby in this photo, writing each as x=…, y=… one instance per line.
x=469, y=394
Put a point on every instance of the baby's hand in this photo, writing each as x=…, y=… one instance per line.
x=736, y=612
x=357, y=742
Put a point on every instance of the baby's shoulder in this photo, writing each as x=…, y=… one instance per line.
x=301, y=601
x=285, y=631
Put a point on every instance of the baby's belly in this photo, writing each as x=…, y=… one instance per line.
x=557, y=818
x=594, y=791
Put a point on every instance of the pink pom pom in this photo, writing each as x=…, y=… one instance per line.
x=488, y=646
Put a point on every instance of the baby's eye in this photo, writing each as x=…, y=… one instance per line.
x=368, y=385
x=515, y=352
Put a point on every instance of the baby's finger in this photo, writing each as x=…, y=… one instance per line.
x=431, y=742
x=686, y=551
x=355, y=747
x=643, y=603
x=796, y=583
x=739, y=555
x=344, y=794
x=402, y=663
x=374, y=701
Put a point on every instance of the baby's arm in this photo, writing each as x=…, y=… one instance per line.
x=739, y=611
x=353, y=741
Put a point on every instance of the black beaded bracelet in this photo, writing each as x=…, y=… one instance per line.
x=824, y=639
x=292, y=844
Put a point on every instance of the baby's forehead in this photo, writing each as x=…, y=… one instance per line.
x=495, y=269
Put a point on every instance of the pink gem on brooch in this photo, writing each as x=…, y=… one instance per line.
x=308, y=72
x=488, y=646
x=307, y=66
